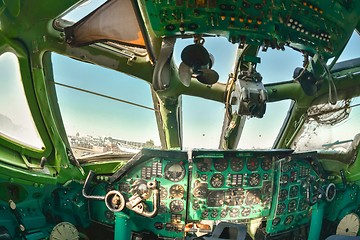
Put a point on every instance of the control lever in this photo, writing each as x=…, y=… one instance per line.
x=327, y=192
x=137, y=204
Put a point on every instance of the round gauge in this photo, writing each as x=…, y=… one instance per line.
x=292, y=205
x=236, y=164
x=217, y=180
x=254, y=179
x=174, y=171
x=288, y=220
x=205, y=214
x=303, y=205
x=285, y=167
x=284, y=179
x=267, y=188
x=64, y=230
x=280, y=208
x=214, y=214
x=176, y=191
x=124, y=187
x=276, y=221
x=294, y=190
x=163, y=193
x=176, y=206
x=234, y=212
x=234, y=196
x=204, y=164
x=215, y=198
x=253, y=197
x=223, y=213
x=252, y=164
x=200, y=191
x=245, y=211
x=266, y=164
x=283, y=195
x=221, y=164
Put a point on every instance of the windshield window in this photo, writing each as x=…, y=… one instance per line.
x=97, y=124
x=16, y=122
x=329, y=127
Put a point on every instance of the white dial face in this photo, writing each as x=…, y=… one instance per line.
x=349, y=225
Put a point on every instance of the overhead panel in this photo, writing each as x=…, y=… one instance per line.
x=316, y=26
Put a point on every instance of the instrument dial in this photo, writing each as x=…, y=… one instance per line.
x=254, y=179
x=163, y=193
x=200, y=191
x=221, y=164
x=276, y=221
x=283, y=195
x=252, y=164
x=236, y=164
x=253, y=197
x=174, y=171
x=177, y=191
x=292, y=206
x=176, y=206
x=266, y=164
x=280, y=208
x=294, y=191
x=284, y=179
x=234, y=213
x=285, y=167
x=245, y=211
x=204, y=164
x=288, y=220
x=216, y=198
x=217, y=180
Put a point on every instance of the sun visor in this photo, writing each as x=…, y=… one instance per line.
x=113, y=21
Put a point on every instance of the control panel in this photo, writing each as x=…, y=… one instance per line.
x=231, y=186
x=316, y=26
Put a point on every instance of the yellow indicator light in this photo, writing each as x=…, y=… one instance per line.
x=311, y=6
x=259, y=22
x=321, y=11
x=250, y=20
x=232, y=18
x=305, y=3
x=223, y=17
x=241, y=19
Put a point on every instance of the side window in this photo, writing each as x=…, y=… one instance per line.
x=16, y=122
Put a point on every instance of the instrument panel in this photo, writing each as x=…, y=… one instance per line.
x=232, y=186
x=306, y=25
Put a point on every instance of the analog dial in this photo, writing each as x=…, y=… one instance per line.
x=236, y=164
x=266, y=164
x=221, y=164
x=176, y=206
x=174, y=171
x=254, y=179
x=280, y=208
x=288, y=220
x=245, y=211
x=177, y=191
x=292, y=206
x=204, y=164
x=163, y=193
x=215, y=198
x=294, y=191
x=217, y=180
x=283, y=195
x=252, y=164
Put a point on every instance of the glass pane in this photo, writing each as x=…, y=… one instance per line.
x=330, y=127
x=83, y=9
x=202, y=122
x=16, y=121
x=260, y=133
x=96, y=124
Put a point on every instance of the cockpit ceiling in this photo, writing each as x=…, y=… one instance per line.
x=114, y=21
